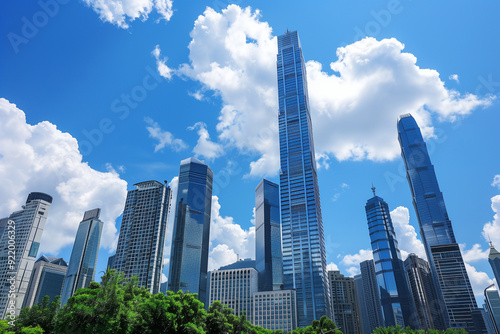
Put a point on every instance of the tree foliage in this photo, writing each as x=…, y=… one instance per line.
x=408, y=330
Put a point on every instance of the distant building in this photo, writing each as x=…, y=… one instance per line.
x=492, y=303
x=368, y=298
x=344, y=302
x=275, y=310
x=21, y=233
x=83, y=260
x=494, y=260
x=424, y=293
x=142, y=234
x=47, y=279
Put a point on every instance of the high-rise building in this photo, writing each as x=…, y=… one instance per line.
x=20, y=237
x=395, y=297
x=443, y=253
x=268, y=257
x=494, y=260
x=191, y=236
x=492, y=303
x=367, y=291
x=142, y=234
x=304, y=257
x=234, y=288
x=424, y=293
x=275, y=310
x=344, y=302
x=47, y=279
x=83, y=260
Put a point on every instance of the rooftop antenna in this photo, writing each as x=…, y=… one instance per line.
x=491, y=244
x=373, y=189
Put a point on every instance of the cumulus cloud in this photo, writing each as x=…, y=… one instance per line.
x=42, y=158
x=164, y=138
x=205, y=147
x=322, y=161
x=478, y=279
x=353, y=111
x=161, y=63
x=122, y=12
x=332, y=266
x=221, y=255
x=476, y=253
x=352, y=261
x=405, y=233
x=454, y=77
x=491, y=230
x=496, y=181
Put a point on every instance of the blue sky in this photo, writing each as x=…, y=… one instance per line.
x=95, y=101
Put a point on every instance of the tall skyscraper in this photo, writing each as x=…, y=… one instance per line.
x=20, y=237
x=47, y=279
x=83, y=260
x=344, y=302
x=424, y=293
x=395, y=297
x=443, y=252
x=368, y=298
x=142, y=234
x=494, y=260
x=268, y=257
x=492, y=303
x=304, y=257
x=191, y=236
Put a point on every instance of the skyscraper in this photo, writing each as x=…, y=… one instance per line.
x=268, y=257
x=20, y=236
x=344, y=302
x=395, y=297
x=47, y=279
x=424, y=293
x=494, y=260
x=142, y=234
x=368, y=298
x=443, y=252
x=191, y=236
x=83, y=260
x=304, y=257
x=492, y=304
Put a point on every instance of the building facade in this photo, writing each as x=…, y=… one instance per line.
x=20, y=236
x=268, y=256
x=492, y=303
x=304, y=257
x=142, y=234
x=234, y=288
x=344, y=302
x=275, y=310
x=191, y=236
x=83, y=260
x=494, y=260
x=445, y=260
x=47, y=279
x=424, y=293
x=395, y=297
x=367, y=291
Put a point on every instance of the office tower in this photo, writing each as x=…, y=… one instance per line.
x=492, y=303
x=344, y=302
x=395, y=297
x=47, y=279
x=234, y=288
x=111, y=261
x=268, y=257
x=488, y=320
x=304, y=257
x=443, y=253
x=142, y=234
x=190, y=240
x=275, y=310
x=21, y=233
x=424, y=293
x=494, y=260
x=83, y=260
x=368, y=297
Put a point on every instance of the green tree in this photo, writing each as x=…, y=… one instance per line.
x=41, y=315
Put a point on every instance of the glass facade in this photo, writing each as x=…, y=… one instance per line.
x=268, y=256
x=304, y=258
x=275, y=310
x=142, y=234
x=344, y=302
x=395, y=298
x=492, y=303
x=191, y=236
x=368, y=298
x=445, y=260
x=494, y=260
x=83, y=260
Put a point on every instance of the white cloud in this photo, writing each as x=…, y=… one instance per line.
x=332, y=266
x=353, y=112
x=122, y=12
x=352, y=261
x=478, y=279
x=164, y=138
x=339, y=192
x=496, y=181
x=161, y=63
x=205, y=147
x=454, y=77
x=221, y=255
x=491, y=230
x=163, y=278
x=474, y=254
x=405, y=233
x=322, y=161
x=42, y=158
